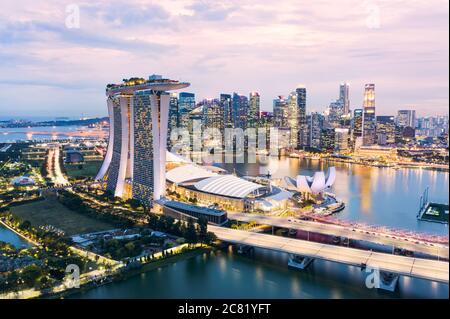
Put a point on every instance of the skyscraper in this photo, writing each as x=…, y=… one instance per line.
x=357, y=122
x=186, y=103
x=339, y=109
x=406, y=118
x=226, y=104
x=369, y=120
x=173, y=116
x=327, y=139
x=302, y=123
x=385, y=130
x=134, y=165
x=341, y=140
x=344, y=97
x=280, y=112
x=315, y=129
x=292, y=118
x=240, y=111
x=213, y=114
x=254, y=109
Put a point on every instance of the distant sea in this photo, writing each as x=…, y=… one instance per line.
x=38, y=118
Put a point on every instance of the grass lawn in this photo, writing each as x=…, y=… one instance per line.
x=88, y=169
x=51, y=212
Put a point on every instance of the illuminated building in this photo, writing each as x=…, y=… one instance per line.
x=316, y=121
x=327, y=139
x=240, y=111
x=385, y=130
x=173, y=116
x=186, y=103
x=134, y=164
x=341, y=140
x=227, y=106
x=213, y=119
x=208, y=187
x=280, y=112
x=406, y=118
x=344, y=97
x=369, y=121
x=293, y=118
x=254, y=108
x=302, y=122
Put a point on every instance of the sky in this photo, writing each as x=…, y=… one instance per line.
x=52, y=63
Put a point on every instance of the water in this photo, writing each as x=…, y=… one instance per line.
x=224, y=274
x=373, y=195
x=377, y=196
x=12, y=238
x=38, y=133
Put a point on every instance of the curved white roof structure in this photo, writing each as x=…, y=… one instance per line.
x=185, y=173
x=228, y=185
x=316, y=184
x=176, y=158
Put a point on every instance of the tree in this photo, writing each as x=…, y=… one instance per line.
x=31, y=274
x=210, y=237
x=203, y=228
x=25, y=225
x=191, y=233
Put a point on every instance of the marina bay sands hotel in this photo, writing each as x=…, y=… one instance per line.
x=134, y=164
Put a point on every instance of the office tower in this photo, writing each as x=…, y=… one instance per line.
x=240, y=111
x=344, y=97
x=266, y=122
x=195, y=127
x=173, y=116
x=406, y=118
x=134, y=165
x=302, y=123
x=357, y=122
x=292, y=118
x=254, y=108
x=227, y=106
x=341, y=140
x=280, y=112
x=339, y=109
x=316, y=123
x=335, y=113
x=385, y=130
x=186, y=103
x=369, y=120
x=327, y=139
x=213, y=114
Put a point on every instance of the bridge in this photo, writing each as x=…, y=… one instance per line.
x=407, y=266
x=433, y=249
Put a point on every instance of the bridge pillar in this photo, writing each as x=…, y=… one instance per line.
x=244, y=249
x=388, y=281
x=299, y=262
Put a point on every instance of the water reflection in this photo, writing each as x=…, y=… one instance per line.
x=382, y=196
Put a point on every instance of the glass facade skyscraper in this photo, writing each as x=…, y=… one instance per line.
x=369, y=120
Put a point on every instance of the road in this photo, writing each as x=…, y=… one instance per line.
x=407, y=266
x=439, y=250
x=54, y=167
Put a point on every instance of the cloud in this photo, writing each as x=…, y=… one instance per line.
x=212, y=10
x=231, y=45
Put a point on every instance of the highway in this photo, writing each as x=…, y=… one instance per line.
x=54, y=167
x=407, y=266
x=335, y=230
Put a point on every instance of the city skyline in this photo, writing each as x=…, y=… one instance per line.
x=269, y=48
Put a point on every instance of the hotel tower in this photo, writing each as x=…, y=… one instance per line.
x=134, y=164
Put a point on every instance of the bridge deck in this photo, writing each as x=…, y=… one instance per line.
x=336, y=230
x=408, y=266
